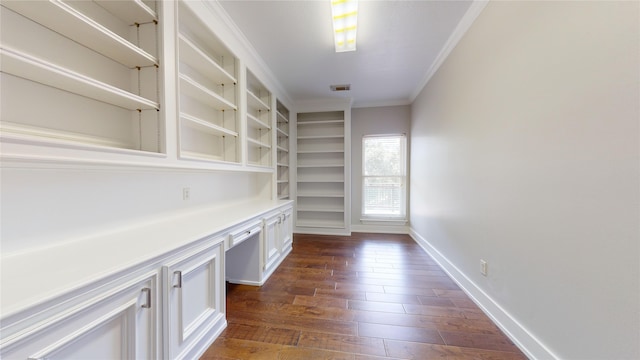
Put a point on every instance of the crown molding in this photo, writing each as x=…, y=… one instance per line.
x=251, y=56
x=463, y=26
x=375, y=104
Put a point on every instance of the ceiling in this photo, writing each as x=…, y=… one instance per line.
x=397, y=42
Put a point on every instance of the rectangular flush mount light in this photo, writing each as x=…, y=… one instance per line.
x=345, y=18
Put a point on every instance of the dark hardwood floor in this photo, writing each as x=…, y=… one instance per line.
x=364, y=297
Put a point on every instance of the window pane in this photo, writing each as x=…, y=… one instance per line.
x=383, y=196
x=383, y=156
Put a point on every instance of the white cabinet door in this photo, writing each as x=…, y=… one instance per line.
x=285, y=231
x=194, y=300
x=119, y=323
x=271, y=242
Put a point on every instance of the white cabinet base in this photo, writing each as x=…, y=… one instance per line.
x=194, y=302
x=252, y=259
x=120, y=322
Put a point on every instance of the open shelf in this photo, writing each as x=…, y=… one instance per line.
x=132, y=11
x=79, y=74
x=208, y=98
x=282, y=149
x=25, y=66
x=282, y=117
x=320, y=209
x=320, y=151
x=200, y=92
x=321, y=175
x=8, y=128
x=205, y=126
x=312, y=137
x=319, y=195
x=201, y=62
x=321, y=190
x=258, y=122
x=321, y=165
x=65, y=19
x=253, y=142
x=255, y=102
x=329, y=223
x=320, y=122
x=320, y=145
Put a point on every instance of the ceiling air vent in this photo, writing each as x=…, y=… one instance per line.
x=345, y=87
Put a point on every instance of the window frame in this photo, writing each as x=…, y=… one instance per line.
x=391, y=219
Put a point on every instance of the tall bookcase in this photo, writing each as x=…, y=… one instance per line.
x=322, y=172
x=208, y=99
x=258, y=122
x=282, y=151
x=93, y=68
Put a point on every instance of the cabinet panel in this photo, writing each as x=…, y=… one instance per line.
x=286, y=231
x=271, y=242
x=194, y=299
x=121, y=323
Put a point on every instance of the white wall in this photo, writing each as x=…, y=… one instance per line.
x=372, y=121
x=45, y=207
x=525, y=153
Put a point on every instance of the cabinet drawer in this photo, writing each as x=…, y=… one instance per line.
x=242, y=234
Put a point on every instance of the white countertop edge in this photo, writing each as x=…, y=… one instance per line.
x=30, y=278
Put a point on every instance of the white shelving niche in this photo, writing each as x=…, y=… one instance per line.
x=82, y=74
x=259, y=142
x=208, y=95
x=321, y=177
x=282, y=153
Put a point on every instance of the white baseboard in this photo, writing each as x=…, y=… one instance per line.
x=380, y=229
x=526, y=341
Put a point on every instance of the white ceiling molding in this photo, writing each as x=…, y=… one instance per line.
x=463, y=26
x=381, y=104
x=251, y=56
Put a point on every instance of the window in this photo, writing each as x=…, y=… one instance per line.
x=384, y=177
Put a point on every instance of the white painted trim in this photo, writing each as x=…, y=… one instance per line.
x=380, y=229
x=523, y=338
x=321, y=231
x=218, y=9
x=463, y=26
x=385, y=103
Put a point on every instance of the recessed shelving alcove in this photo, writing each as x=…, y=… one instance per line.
x=83, y=74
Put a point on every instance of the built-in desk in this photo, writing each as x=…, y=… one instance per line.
x=123, y=285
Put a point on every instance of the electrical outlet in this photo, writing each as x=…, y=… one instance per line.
x=186, y=193
x=484, y=267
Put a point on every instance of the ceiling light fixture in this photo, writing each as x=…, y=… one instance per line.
x=345, y=18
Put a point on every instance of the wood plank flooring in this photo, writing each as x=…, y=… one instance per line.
x=363, y=297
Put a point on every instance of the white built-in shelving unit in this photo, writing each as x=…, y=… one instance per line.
x=259, y=142
x=282, y=150
x=82, y=74
x=208, y=97
x=322, y=173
